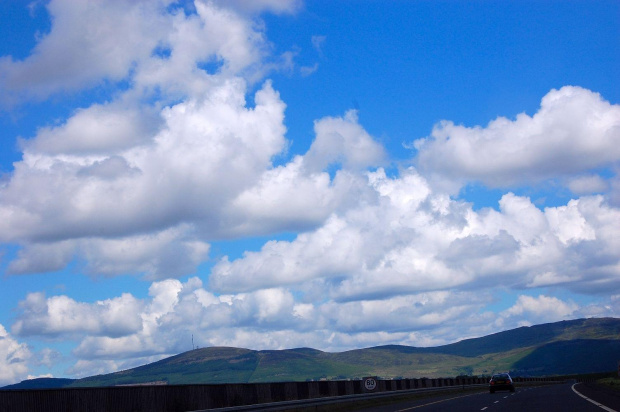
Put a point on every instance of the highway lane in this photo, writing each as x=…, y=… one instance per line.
x=548, y=398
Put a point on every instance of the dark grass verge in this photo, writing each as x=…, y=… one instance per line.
x=612, y=384
x=601, y=393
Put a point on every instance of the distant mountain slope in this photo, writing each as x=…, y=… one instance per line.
x=41, y=383
x=594, y=328
x=569, y=347
x=213, y=365
x=572, y=356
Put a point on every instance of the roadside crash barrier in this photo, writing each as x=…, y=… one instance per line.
x=197, y=397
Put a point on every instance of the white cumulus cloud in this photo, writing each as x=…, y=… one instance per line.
x=14, y=357
x=575, y=130
x=406, y=239
x=586, y=185
x=542, y=309
x=61, y=315
x=111, y=37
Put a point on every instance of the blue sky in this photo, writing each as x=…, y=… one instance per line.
x=279, y=174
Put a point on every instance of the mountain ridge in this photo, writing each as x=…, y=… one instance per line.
x=566, y=347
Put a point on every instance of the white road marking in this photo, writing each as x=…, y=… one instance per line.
x=432, y=403
x=484, y=408
x=592, y=401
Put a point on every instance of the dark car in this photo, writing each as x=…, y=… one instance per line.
x=501, y=382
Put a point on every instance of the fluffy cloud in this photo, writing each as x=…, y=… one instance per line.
x=273, y=318
x=110, y=37
x=48, y=357
x=575, y=130
x=98, y=131
x=141, y=182
x=301, y=194
x=586, y=185
x=158, y=44
x=170, y=252
x=541, y=309
x=124, y=332
x=343, y=140
x=134, y=187
x=274, y=6
x=61, y=315
x=207, y=153
x=14, y=358
x=268, y=318
x=410, y=239
x=205, y=174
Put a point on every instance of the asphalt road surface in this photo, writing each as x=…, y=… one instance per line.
x=548, y=398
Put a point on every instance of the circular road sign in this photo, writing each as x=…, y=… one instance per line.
x=370, y=384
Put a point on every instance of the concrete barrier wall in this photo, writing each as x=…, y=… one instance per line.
x=194, y=397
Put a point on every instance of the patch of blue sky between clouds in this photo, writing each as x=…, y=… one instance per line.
x=24, y=23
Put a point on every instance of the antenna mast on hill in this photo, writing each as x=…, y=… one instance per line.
x=193, y=341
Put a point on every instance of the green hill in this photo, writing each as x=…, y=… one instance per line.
x=565, y=357
x=569, y=347
x=41, y=383
x=530, y=336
